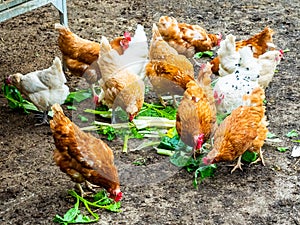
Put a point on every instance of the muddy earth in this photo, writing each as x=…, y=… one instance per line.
x=33, y=189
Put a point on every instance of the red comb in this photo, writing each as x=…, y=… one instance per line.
x=127, y=35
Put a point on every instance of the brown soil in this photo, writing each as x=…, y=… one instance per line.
x=33, y=189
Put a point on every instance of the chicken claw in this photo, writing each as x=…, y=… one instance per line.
x=89, y=186
x=260, y=158
x=238, y=165
x=42, y=118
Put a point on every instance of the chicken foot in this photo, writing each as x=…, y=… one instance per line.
x=238, y=164
x=164, y=104
x=260, y=158
x=43, y=119
x=89, y=186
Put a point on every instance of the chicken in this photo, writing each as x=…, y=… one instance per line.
x=227, y=55
x=135, y=57
x=82, y=156
x=196, y=115
x=268, y=62
x=245, y=129
x=167, y=71
x=230, y=89
x=259, y=44
x=79, y=54
x=185, y=38
x=120, y=86
x=43, y=87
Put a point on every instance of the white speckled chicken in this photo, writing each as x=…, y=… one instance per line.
x=230, y=89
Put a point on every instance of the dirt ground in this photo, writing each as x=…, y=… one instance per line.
x=33, y=189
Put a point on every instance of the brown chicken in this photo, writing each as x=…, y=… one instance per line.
x=82, y=156
x=167, y=71
x=120, y=86
x=244, y=129
x=196, y=115
x=259, y=43
x=80, y=55
x=185, y=38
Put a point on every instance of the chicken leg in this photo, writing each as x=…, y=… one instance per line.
x=43, y=119
x=260, y=158
x=238, y=164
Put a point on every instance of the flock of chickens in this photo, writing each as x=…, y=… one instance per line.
x=245, y=69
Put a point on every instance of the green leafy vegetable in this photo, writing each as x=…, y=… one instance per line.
x=78, y=96
x=221, y=117
x=73, y=215
x=297, y=141
x=249, y=156
x=198, y=55
x=105, y=114
x=271, y=135
x=282, y=149
x=71, y=107
x=15, y=99
x=139, y=162
x=286, y=50
x=157, y=110
x=83, y=118
x=165, y=152
x=183, y=157
x=108, y=131
x=203, y=171
x=292, y=133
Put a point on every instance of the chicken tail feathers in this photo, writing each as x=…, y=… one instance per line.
x=155, y=33
x=105, y=46
x=256, y=98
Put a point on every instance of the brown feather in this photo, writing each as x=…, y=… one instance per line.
x=81, y=155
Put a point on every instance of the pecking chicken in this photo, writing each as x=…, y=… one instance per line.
x=196, y=115
x=79, y=54
x=259, y=44
x=230, y=89
x=245, y=129
x=43, y=87
x=82, y=156
x=167, y=71
x=185, y=38
x=121, y=86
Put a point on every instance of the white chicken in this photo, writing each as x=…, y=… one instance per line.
x=43, y=87
x=228, y=56
x=135, y=57
x=268, y=62
x=230, y=89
